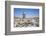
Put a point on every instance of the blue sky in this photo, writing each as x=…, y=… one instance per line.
x=29, y=12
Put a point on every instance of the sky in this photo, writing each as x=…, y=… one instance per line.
x=28, y=12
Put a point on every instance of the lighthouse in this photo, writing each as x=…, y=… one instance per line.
x=23, y=15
